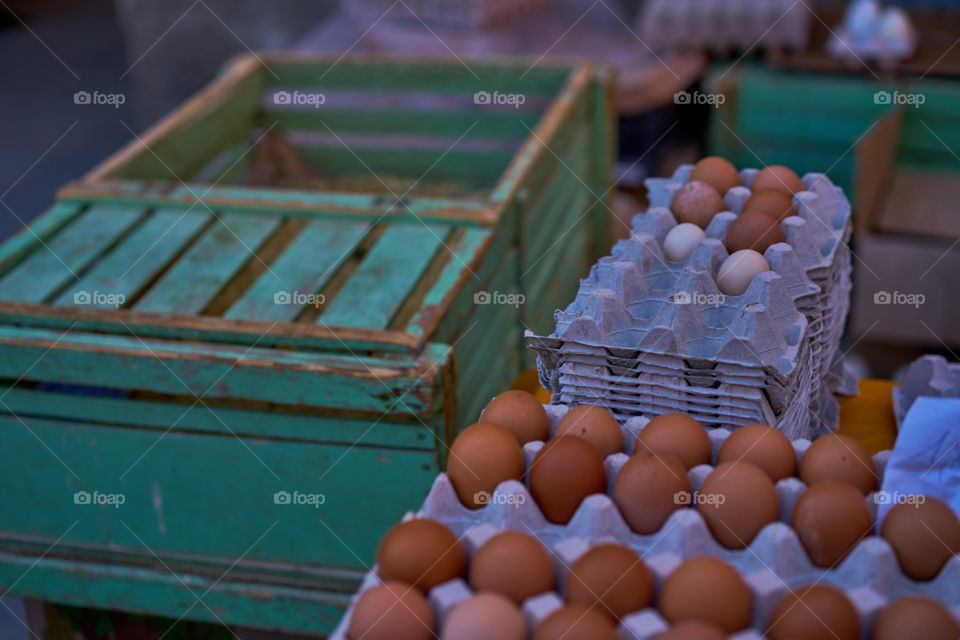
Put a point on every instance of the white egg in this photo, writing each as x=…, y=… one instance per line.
x=738, y=270
x=681, y=241
x=862, y=19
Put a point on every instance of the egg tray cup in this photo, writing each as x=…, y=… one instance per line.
x=773, y=563
x=723, y=26
x=813, y=265
x=929, y=376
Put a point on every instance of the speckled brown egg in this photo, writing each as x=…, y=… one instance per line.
x=564, y=472
x=650, y=487
x=392, y=611
x=818, y=612
x=737, y=500
x=915, y=617
x=611, y=578
x=696, y=202
x=707, y=589
x=779, y=178
x=718, y=172
x=924, y=535
x=753, y=230
x=692, y=630
x=485, y=616
x=594, y=424
x=421, y=552
x=771, y=202
x=830, y=518
x=763, y=446
x=575, y=622
x=514, y=564
x=483, y=456
x=676, y=433
x=837, y=457
x=520, y=413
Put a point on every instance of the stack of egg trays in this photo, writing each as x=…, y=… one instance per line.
x=928, y=376
x=774, y=563
x=723, y=26
x=819, y=235
x=779, y=371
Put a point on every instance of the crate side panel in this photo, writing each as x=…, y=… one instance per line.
x=217, y=496
x=36, y=233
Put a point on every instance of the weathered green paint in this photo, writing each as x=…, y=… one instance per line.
x=138, y=257
x=190, y=285
x=67, y=254
x=221, y=371
x=388, y=274
x=36, y=233
x=461, y=253
x=188, y=415
x=153, y=590
x=305, y=266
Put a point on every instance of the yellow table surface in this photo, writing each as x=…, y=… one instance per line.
x=868, y=417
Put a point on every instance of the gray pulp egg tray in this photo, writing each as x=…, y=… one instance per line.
x=645, y=335
x=774, y=563
x=928, y=375
x=723, y=26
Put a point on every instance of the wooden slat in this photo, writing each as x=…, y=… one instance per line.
x=190, y=285
x=385, y=278
x=36, y=233
x=281, y=376
x=303, y=268
x=138, y=258
x=463, y=260
x=208, y=418
x=67, y=254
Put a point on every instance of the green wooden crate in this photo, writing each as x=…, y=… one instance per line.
x=210, y=364
x=810, y=122
x=512, y=145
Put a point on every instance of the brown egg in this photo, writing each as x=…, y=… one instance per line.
x=915, y=617
x=707, y=589
x=692, y=630
x=594, y=424
x=737, y=500
x=575, y=622
x=836, y=457
x=514, y=564
x=391, y=611
x=718, y=172
x=676, y=433
x=485, y=616
x=564, y=472
x=763, y=446
x=421, y=552
x=753, y=230
x=818, y=612
x=520, y=413
x=696, y=202
x=777, y=177
x=830, y=518
x=771, y=202
x=483, y=456
x=648, y=488
x=611, y=578
x=924, y=535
